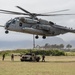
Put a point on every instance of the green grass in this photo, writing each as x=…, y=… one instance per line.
x=59, y=65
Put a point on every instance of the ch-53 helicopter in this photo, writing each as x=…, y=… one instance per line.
x=34, y=25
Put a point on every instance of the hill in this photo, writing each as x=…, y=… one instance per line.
x=29, y=43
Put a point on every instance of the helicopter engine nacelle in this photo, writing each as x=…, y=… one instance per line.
x=45, y=27
x=27, y=20
x=43, y=22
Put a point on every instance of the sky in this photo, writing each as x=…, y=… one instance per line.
x=38, y=6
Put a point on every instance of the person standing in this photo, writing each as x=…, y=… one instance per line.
x=43, y=58
x=33, y=57
x=12, y=57
x=3, y=57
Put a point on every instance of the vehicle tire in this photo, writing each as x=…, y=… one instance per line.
x=44, y=37
x=36, y=37
x=6, y=32
x=38, y=59
x=22, y=60
x=30, y=59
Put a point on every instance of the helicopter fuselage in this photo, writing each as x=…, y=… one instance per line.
x=37, y=27
x=34, y=25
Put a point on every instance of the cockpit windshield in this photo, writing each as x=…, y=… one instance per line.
x=12, y=21
x=9, y=22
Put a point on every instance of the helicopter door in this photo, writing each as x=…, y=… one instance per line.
x=18, y=25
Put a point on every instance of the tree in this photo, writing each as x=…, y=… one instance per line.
x=54, y=46
x=61, y=46
x=47, y=45
x=69, y=46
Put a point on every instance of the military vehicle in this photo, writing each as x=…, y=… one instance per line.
x=30, y=57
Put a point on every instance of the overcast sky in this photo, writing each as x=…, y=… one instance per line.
x=38, y=6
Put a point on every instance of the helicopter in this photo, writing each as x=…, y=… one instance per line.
x=33, y=25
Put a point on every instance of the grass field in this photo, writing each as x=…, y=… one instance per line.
x=59, y=65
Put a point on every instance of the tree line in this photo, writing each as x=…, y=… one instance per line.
x=60, y=46
x=37, y=52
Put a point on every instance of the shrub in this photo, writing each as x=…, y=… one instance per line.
x=37, y=52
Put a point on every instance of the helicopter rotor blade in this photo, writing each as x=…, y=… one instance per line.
x=53, y=14
x=19, y=13
x=33, y=15
x=56, y=11
x=12, y=12
x=23, y=9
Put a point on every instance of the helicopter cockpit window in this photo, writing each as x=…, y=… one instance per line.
x=9, y=22
x=13, y=21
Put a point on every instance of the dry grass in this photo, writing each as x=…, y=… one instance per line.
x=63, y=65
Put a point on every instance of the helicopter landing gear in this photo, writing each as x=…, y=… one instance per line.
x=44, y=37
x=6, y=31
x=36, y=37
